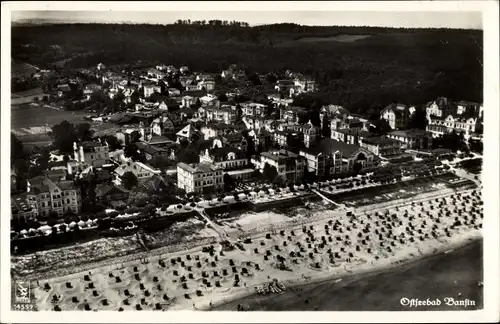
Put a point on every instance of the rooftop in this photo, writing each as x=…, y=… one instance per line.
x=279, y=155
x=328, y=145
x=202, y=167
x=379, y=140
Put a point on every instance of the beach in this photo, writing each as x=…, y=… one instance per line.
x=327, y=244
x=439, y=276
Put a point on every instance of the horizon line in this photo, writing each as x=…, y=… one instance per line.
x=33, y=22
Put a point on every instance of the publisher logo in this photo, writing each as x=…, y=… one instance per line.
x=22, y=292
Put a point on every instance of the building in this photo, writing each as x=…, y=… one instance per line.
x=225, y=157
x=198, y=177
x=212, y=130
x=439, y=126
x=413, y=138
x=153, y=151
x=332, y=157
x=290, y=166
x=207, y=85
x=186, y=134
x=350, y=135
x=209, y=100
x=225, y=115
x=305, y=85
x=235, y=140
x=149, y=89
x=288, y=137
x=110, y=193
x=162, y=126
x=187, y=101
x=157, y=74
x=396, y=115
x=293, y=114
x=44, y=195
x=140, y=170
x=310, y=132
x=94, y=153
x=284, y=86
x=20, y=207
x=173, y=92
x=382, y=146
x=441, y=107
x=253, y=109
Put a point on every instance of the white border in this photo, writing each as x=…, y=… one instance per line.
x=491, y=311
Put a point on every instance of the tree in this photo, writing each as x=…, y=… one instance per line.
x=381, y=126
x=129, y=180
x=476, y=146
x=64, y=135
x=16, y=148
x=269, y=173
x=223, y=97
x=43, y=160
x=113, y=142
x=188, y=156
x=418, y=120
x=326, y=131
x=228, y=182
x=250, y=147
x=131, y=151
x=84, y=132
x=135, y=136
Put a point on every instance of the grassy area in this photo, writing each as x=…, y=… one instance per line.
x=27, y=116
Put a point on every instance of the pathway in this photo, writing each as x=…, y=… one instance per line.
x=222, y=234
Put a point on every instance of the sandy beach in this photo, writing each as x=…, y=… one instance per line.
x=328, y=244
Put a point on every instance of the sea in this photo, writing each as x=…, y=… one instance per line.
x=452, y=278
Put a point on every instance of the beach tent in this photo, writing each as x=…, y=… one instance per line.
x=302, y=187
x=271, y=192
x=72, y=224
x=253, y=193
x=44, y=228
x=81, y=223
x=242, y=196
x=89, y=223
x=24, y=232
x=262, y=193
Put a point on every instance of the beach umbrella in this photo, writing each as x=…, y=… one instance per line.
x=81, y=223
x=24, y=232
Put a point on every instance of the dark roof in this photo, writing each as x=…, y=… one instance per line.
x=19, y=203
x=409, y=133
x=108, y=189
x=285, y=82
x=328, y=145
x=379, y=140
x=355, y=131
x=224, y=151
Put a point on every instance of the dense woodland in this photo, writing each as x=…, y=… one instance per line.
x=391, y=65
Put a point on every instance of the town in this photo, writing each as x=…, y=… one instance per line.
x=137, y=150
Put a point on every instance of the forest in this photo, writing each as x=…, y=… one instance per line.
x=411, y=66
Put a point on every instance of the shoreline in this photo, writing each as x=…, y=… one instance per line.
x=367, y=266
x=359, y=274
x=127, y=258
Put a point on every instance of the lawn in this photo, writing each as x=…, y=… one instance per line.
x=27, y=116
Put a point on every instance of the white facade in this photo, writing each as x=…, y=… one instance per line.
x=194, y=178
